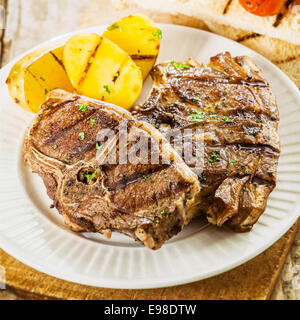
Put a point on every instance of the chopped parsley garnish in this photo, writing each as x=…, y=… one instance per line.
x=46, y=91
x=245, y=168
x=42, y=78
x=233, y=161
x=122, y=175
x=106, y=88
x=179, y=65
x=83, y=107
x=157, y=34
x=93, y=121
x=202, y=177
x=126, y=145
x=91, y=176
x=196, y=99
x=214, y=157
x=227, y=119
x=198, y=116
x=66, y=160
x=82, y=135
x=212, y=115
x=165, y=214
x=98, y=147
x=55, y=147
x=147, y=178
x=113, y=26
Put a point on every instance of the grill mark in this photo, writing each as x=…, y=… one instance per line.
x=118, y=73
x=79, y=150
x=136, y=177
x=215, y=81
x=280, y=15
x=66, y=129
x=142, y=57
x=226, y=8
x=246, y=146
x=289, y=59
x=89, y=146
x=162, y=113
x=187, y=99
x=88, y=66
x=57, y=60
x=248, y=36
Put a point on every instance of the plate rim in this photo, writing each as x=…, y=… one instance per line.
x=15, y=251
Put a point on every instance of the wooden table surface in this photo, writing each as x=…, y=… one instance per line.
x=30, y=22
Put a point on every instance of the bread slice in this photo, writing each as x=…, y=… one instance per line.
x=285, y=54
x=285, y=26
x=282, y=53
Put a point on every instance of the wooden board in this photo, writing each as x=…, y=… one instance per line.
x=252, y=280
x=33, y=21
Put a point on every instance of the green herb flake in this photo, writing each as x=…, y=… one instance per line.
x=83, y=107
x=157, y=34
x=113, y=27
x=227, y=119
x=198, y=116
x=147, y=178
x=232, y=161
x=98, y=147
x=55, y=147
x=196, y=99
x=42, y=78
x=91, y=176
x=66, y=160
x=93, y=121
x=46, y=91
x=245, y=169
x=122, y=175
x=213, y=115
x=82, y=135
x=181, y=66
x=202, y=177
x=214, y=157
x=163, y=212
x=106, y=88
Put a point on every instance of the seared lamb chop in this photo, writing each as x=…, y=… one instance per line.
x=148, y=202
x=231, y=101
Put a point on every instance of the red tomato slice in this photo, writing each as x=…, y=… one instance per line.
x=262, y=8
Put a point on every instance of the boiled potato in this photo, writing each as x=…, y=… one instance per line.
x=32, y=77
x=138, y=36
x=104, y=72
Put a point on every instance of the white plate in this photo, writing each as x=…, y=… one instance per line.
x=35, y=234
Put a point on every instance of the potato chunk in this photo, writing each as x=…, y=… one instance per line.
x=33, y=76
x=77, y=53
x=102, y=70
x=138, y=36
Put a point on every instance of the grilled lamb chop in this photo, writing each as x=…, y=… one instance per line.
x=148, y=202
x=231, y=101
